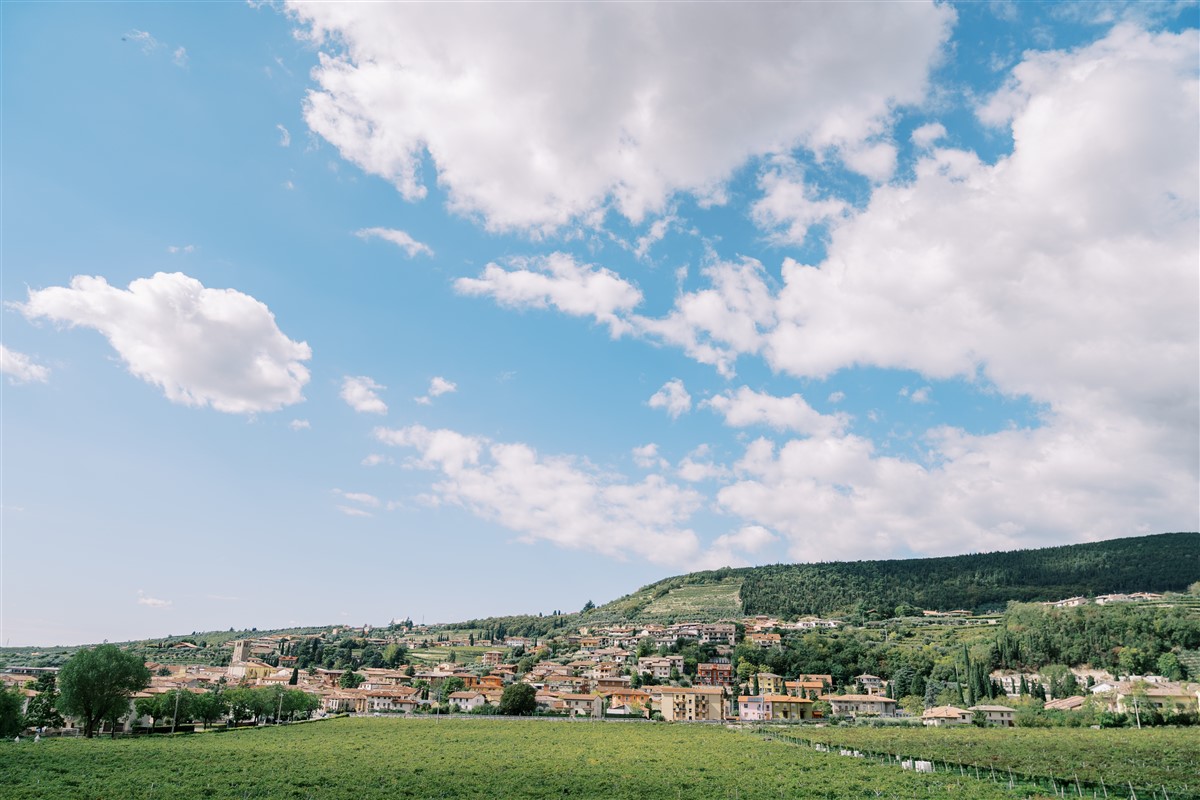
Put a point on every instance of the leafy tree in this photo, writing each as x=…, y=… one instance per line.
x=519, y=699
x=1169, y=666
x=394, y=655
x=588, y=606
x=298, y=703
x=350, y=680
x=177, y=705
x=148, y=707
x=43, y=711
x=12, y=721
x=210, y=707
x=95, y=685
x=452, y=685
x=240, y=703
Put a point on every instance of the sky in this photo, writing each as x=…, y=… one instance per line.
x=342, y=313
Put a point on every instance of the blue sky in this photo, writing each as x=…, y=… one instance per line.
x=338, y=313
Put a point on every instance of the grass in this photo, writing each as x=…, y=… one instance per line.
x=1152, y=757
x=369, y=758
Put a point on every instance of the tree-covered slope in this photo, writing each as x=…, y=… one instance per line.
x=1164, y=562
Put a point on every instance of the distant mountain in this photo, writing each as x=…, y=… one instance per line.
x=977, y=582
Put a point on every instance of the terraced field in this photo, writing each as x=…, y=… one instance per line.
x=697, y=602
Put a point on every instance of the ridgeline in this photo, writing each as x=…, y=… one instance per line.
x=980, y=582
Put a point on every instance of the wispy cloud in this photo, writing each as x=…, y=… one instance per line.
x=144, y=599
x=397, y=237
x=362, y=498
x=285, y=137
x=20, y=368
x=143, y=38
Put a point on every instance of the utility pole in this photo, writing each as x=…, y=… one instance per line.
x=175, y=719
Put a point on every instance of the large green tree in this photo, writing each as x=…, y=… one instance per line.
x=95, y=685
x=12, y=721
x=519, y=699
x=43, y=711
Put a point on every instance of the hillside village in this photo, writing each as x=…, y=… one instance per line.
x=623, y=671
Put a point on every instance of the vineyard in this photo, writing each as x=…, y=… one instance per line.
x=1160, y=762
x=369, y=758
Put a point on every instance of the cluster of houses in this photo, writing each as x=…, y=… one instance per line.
x=1106, y=599
x=605, y=676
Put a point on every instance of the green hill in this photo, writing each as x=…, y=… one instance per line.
x=977, y=582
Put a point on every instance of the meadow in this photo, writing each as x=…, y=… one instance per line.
x=484, y=758
x=1152, y=758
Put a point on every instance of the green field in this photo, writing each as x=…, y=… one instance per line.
x=485, y=758
x=1149, y=758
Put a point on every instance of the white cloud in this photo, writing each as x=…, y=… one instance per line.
x=299, y=425
x=1064, y=273
x=920, y=395
x=657, y=231
x=203, y=347
x=673, y=397
x=789, y=206
x=539, y=116
x=437, y=387
x=144, y=599
x=175, y=249
x=836, y=397
x=180, y=57
x=375, y=459
x=580, y=290
x=360, y=394
x=362, y=498
x=646, y=456
x=408, y=244
x=698, y=466
x=285, y=137
x=876, y=160
x=751, y=540
x=924, y=136
x=20, y=368
x=837, y=498
x=746, y=407
x=557, y=499
x=716, y=324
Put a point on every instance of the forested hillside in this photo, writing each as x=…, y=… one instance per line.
x=1164, y=562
